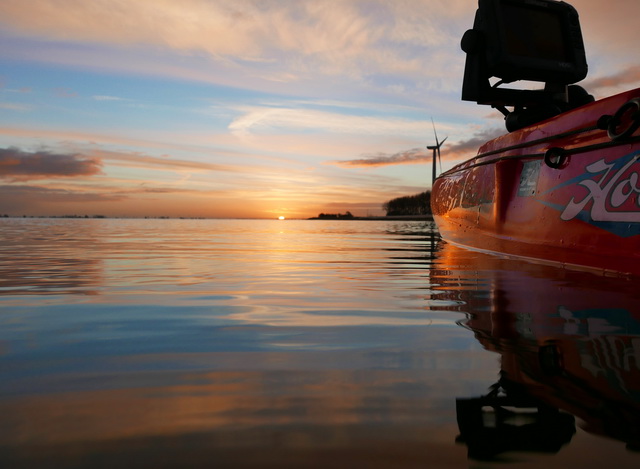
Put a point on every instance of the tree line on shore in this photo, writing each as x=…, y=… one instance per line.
x=408, y=205
x=335, y=216
x=418, y=204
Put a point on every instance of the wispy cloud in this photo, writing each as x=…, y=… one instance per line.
x=107, y=98
x=54, y=195
x=272, y=41
x=415, y=155
x=16, y=164
x=23, y=90
x=461, y=149
x=138, y=159
x=66, y=93
x=469, y=147
x=17, y=198
x=281, y=119
x=628, y=76
x=106, y=147
x=243, y=28
x=15, y=107
x=85, y=142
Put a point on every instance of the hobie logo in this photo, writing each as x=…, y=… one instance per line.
x=615, y=196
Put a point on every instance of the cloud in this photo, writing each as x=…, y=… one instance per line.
x=415, y=155
x=255, y=41
x=468, y=148
x=88, y=142
x=22, y=90
x=20, y=165
x=287, y=119
x=405, y=48
x=66, y=93
x=243, y=29
x=630, y=75
x=17, y=198
x=55, y=195
x=15, y=106
x=107, y=98
x=94, y=147
x=462, y=149
x=141, y=160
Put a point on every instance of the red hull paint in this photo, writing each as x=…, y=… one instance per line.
x=585, y=213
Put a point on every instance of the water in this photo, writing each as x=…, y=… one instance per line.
x=243, y=343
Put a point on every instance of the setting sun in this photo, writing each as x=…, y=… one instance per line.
x=280, y=217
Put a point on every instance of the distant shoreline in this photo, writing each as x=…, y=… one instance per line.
x=102, y=217
x=381, y=218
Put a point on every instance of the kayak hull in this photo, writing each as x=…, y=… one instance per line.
x=562, y=191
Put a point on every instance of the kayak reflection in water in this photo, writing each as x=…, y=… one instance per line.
x=569, y=344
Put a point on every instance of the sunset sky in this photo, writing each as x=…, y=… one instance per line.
x=215, y=108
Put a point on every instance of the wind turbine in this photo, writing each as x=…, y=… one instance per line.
x=436, y=149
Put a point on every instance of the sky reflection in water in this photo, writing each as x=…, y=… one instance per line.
x=191, y=343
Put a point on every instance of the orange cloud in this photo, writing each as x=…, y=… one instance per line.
x=630, y=75
x=462, y=149
x=138, y=159
x=415, y=155
x=468, y=148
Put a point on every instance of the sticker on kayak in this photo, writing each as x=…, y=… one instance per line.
x=606, y=195
x=529, y=179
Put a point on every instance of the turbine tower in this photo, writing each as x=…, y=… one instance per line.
x=436, y=150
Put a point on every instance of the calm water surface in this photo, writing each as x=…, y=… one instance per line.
x=239, y=343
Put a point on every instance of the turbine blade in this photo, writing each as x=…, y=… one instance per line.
x=434, y=131
x=439, y=157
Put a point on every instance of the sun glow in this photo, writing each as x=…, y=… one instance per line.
x=281, y=217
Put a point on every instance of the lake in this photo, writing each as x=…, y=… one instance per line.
x=305, y=343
